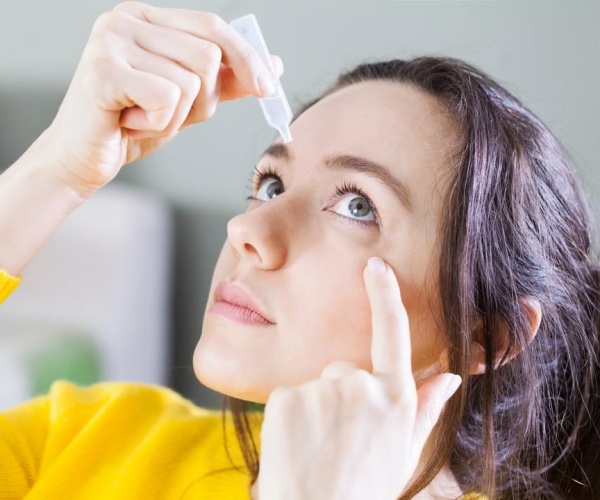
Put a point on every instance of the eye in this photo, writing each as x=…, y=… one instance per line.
x=266, y=184
x=355, y=204
x=269, y=188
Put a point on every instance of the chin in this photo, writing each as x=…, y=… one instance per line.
x=220, y=374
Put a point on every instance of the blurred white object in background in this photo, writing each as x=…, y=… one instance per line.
x=95, y=303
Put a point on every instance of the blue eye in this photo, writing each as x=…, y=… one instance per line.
x=269, y=189
x=356, y=206
x=265, y=190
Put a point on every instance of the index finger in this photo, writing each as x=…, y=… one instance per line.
x=237, y=53
x=390, y=342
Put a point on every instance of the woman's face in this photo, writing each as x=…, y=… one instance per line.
x=300, y=250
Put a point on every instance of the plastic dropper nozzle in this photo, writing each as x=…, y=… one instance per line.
x=275, y=106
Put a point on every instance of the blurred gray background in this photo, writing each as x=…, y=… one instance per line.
x=545, y=51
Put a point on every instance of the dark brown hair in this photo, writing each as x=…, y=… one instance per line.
x=516, y=227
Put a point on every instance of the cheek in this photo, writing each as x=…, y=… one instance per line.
x=337, y=324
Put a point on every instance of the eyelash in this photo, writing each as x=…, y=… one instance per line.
x=259, y=175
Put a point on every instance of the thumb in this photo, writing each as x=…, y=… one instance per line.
x=432, y=396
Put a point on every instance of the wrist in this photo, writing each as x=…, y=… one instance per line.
x=34, y=201
x=41, y=170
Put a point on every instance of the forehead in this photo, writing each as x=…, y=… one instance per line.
x=395, y=124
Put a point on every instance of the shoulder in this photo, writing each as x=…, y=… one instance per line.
x=126, y=408
x=123, y=396
x=123, y=408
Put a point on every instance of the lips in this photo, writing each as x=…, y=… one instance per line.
x=234, y=295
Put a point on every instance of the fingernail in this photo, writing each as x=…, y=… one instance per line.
x=452, y=385
x=376, y=265
x=278, y=63
x=266, y=85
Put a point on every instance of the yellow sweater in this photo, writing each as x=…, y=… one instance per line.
x=117, y=441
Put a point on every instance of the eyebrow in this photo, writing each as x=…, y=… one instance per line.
x=353, y=163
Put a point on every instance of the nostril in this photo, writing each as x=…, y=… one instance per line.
x=249, y=248
x=252, y=252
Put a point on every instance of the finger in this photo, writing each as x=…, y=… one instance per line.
x=238, y=54
x=132, y=88
x=199, y=56
x=390, y=343
x=206, y=102
x=432, y=397
x=338, y=369
x=188, y=83
x=190, y=51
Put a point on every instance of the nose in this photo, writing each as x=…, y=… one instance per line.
x=259, y=236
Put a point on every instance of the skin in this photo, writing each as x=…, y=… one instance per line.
x=301, y=259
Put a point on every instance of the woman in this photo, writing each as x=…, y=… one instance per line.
x=482, y=246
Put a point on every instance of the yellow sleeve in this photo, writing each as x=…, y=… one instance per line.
x=7, y=284
x=118, y=441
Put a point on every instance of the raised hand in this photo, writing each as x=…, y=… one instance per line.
x=353, y=434
x=146, y=73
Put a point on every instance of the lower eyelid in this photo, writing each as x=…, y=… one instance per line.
x=355, y=222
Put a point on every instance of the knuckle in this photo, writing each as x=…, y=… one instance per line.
x=210, y=22
x=194, y=83
x=334, y=365
x=329, y=371
x=211, y=109
x=104, y=49
x=212, y=52
x=363, y=377
x=361, y=388
x=110, y=24
x=281, y=398
x=105, y=22
x=203, y=109
x=99, y=79
x=171, y=94
x=128, y=7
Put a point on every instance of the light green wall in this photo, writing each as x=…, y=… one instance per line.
x=545, y=51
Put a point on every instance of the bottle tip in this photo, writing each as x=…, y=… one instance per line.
x=285, y=134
